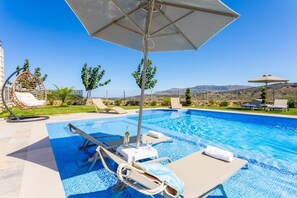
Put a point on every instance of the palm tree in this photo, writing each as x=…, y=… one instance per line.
x=63, y=93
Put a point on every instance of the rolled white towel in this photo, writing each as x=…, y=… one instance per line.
x=219, y=153
x=155, y=134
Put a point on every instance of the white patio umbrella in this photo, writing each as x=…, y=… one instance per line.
x=153, y=25
x=268, y=78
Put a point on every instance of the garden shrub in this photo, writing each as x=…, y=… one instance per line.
x=132, y=103
x=57, y=103
x=72, y=99
x=51, y=97
x=106, y=102
x=224, y=104
x=75, y=99
x=117, y=102
x=166, y=101
x=154, y=103
x=211, y=102
x=238, y=104
x=292, y=102
x=188, y=97
x=264, y=95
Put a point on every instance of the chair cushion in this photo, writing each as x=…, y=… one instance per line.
x=28, y=99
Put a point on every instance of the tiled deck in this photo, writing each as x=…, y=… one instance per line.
x=27, y=164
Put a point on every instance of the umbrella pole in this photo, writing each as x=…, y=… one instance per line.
x=266, y=85
x=145, y=54
x=145, y=59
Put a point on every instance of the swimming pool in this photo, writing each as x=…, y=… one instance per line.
x=269, y=144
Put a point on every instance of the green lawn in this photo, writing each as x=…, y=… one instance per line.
x=53, y=110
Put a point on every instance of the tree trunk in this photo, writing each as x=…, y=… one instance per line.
x=89, y=94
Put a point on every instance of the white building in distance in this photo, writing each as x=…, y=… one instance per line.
x=1, y=73
x=1, y=65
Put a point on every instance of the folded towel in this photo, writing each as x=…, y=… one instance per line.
x=219, y=153
x=165, y=175
x=155, y=134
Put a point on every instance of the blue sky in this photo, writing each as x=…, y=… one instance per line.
x=263, y=40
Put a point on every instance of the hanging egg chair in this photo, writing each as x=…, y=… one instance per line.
x=27, y=92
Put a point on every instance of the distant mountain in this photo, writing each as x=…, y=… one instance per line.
x=274, y=91
x=202, y=89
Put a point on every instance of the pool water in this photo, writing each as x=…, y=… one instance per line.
x=269, y=144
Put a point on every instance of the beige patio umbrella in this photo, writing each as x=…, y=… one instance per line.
x=268, y=78
x=153, y=25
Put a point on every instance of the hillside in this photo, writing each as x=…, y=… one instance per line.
x=275, y=91
x=202, y=89
x=235, y=92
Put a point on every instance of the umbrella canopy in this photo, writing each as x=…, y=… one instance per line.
x=174, y=25
x=268, y=78
x=153, y=25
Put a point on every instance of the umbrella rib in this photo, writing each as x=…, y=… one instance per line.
x=129, y=29
x=165, y=34
x=127, y=16
x=172, y=23
x=115, y=21
x=199, y=9
x=178, y=30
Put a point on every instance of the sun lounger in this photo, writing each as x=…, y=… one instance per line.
x=99, y=105
x=255, y=103
x=200, y=174
x=116, y=141
x=279, y=104
x=88, y=139
x=175, y=103
x=249, y=105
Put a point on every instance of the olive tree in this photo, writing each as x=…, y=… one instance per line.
x=37, y=70
x=150, y=82
x=91, y=78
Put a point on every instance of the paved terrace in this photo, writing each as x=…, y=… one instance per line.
x=27, y=164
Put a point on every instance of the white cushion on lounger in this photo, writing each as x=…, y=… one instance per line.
x=155, y=134
x=277, y=107
x=28, y=99
x=219, y=153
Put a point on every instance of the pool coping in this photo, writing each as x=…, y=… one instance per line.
x=244, y=113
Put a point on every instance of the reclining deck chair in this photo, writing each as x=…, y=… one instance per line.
x=175, y=103
x=111, y=145
x=255, y=103
x=99, y=105
x=279, y=104
x=200, y=174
